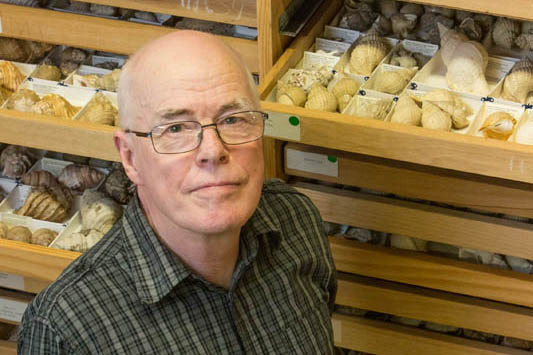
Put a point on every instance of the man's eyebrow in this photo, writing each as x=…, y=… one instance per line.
x=173, y=114
x=237, y=105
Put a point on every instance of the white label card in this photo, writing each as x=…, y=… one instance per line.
x=313, y=162
x=282, y=126
x=328, y=45
x=316, y=60
x=12, y=310
x=420, y=47
x=11, y=281
x=344, y=34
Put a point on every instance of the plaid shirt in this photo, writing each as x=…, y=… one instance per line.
x=129, y=294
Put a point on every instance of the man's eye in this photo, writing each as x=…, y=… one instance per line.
x=232, y=120
x=175, y=128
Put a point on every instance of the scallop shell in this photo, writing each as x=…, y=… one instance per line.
x=372, y=108
x=519, y=82
x=525, y=41
x=99, y=110
x=345, y=86
x=403, y=24
x=43, y=236
x=56, y=106
x=498, y=125
x=10, y=75
x=435, y=118
x=505, y=32
x=23, y=100
x=394, y=81
x=47, y=72
x=319, y=98
x=19, y=233
x=367, y=54
x=42, y=204
x=407, y=112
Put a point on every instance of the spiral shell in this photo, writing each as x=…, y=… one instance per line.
x=10, y=76
x=498, y=125
x=434, y=118
x=290, y=95
x=47, y=72
x=80, y=177
x=19, y=233
x=23, y=100
x=372, y=108
x=16, y=160
x=56, y=106
x=319, y=98
x=407, y=112
x=99, y=110
x=394, y=81
x=505, y=32
x=519, y=82
x=43, y=236
x=367, y=54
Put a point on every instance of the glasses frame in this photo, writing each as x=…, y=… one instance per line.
x=264, y=115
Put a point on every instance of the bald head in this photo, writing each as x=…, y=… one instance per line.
x=181, y=56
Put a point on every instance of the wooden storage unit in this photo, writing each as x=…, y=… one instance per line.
x=6, y=347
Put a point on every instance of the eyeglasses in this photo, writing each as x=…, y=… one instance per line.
x=184, y=136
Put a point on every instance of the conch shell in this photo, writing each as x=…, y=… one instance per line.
x=407, y=112
x=393, y=81
x=519, y=82
x=435, y=118
x=99, y=110
x=498, y=125
x=505, y=32
x=22, y=100
x=16, y=160
x=43, y=236
x=80, y=177
x=10, y=76
x=47, y=72
x=56, y=106
x=367, y=54
x=372, y=108
x=319, y=98
x=290, y=95
x=466, y=62
x=39, y=178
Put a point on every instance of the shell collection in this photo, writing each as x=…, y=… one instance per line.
x=498, y=125
x=100, y=110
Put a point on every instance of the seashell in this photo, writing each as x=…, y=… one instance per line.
x=358, y=20
x=19, y=233
x=16, y=160
x=290, y=95
x=367, y=54
x=10, y=76
x=517, y=343
x=89, y=80
x=99, y=110
x=75, y=242
x=403, y=24
x=393, y=81
x=18, y=50
x=460, y=15
x=110, y=81
x=99, y=212
x=23, y=100
x=505, y=32
x=3, y=230
x=68, y=67
x=404, y=61
x=382, y=26
x=485, y=21
x=118, y=185
x=56, y=106
x=93, y=237
x=47, y=72
x=519, y=264
x=435, y=118
x=372, y=108
x=103, y=10
x=305, y=78
x=343, y=101
x=42, y=204
x=519, y=82
x=75, y=55
x=427, y=29
x=388, y=7
x=525, y=41
x=482, y=257
x=43, y=236
x=471, y=29
x=80, y=177
x=451, y=104
x=79, y=6
x=498, y=125
x=466, y=62
x=410, y=8
x=39, y=178
x=407, y=112
x=345, y=86
x=403, y=242
x=437, y=10
x=145, y=15
x=482, y=336
x=319, y=98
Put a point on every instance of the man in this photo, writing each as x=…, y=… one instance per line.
x=207, y=258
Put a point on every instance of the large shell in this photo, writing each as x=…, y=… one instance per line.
x=407, y=112
x=370, y=108
x=367, y=54
x=451, y=104
x=450, y=40
x=435, y=118
x=47, y=72
x=394, y=81
x=23, y=100
x=525, y=41
x=16, y=160
x=43, y=236
x=498, y=125
x=319, y=98
x=519, y=82
x=39, y=178
x=56, y=106
x=403, y=24
x=505, y=32
x=42, y=204
x=99, y=110
x=80, y=177
x=10, y=75
x=118, y=185
x=290, y=95
x=19, y=233
x=99, y=212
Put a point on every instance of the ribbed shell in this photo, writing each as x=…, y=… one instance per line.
x=393, y=81
x=319, y=98
x=43, y=236
x=345, y=86
x=375, y=109
x=80, y=177
x=471, y=29
x=519, y=82
x=505, y=32
x=290, y=95
x=39, y=178
x=525, y=41
x=19, y=233
x=43, y=205
x=100, y=214
x=10, y=75
x=407, y=112
x=99, y=110
x=56, y=106
x=22, y=100
x=47, y=72
x=498, y=125
x=367, y=54
x=16, y=160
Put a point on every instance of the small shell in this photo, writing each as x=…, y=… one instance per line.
x=16, y=160
x=525, y=41
x=38, y=178
x=505, y=32
x=403, y=24
x=471, y=29
x=23, y=100
x=434, y=118
x=345, y=86
x=404, y=242
x=19, y=233
x=407, y=112
x=485, y=21
x=80, y=177
x=47, y=72
x=393, y=81
x=427, y=29
x=290, y=95
x=372, y=108
x=99, y=110
x=56, y=106
x=43, y=236
x=10, y=75
x=449, y=103
x=118, y=185
x=305, y=78
x=519, y=82
x=319, y=98
x=498, y=125
x=367, y=54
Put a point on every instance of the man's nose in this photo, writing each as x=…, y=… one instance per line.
x=211, y=148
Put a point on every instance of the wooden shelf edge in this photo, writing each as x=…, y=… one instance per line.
x=8, y=347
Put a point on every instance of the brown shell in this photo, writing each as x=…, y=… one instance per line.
x=47, y=72
x=22, y=51
x=3, y=229
x=118, y=185
x=19, y=233
x=319, y=98
x=38, y=178
x=42, y=204
x=505, y=32
x=10, y=75
x=99, y=110
x=16, y=160
x=22, y=100
x=43, y=236
x=498, y=125
x=80, y=177
x=56, y=106
x=75, y=55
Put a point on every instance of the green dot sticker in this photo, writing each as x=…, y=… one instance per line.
x=293, y=120
x=332, y=159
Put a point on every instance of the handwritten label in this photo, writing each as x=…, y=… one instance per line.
x=420, y=47
x=283, y=126
x=11, y=281
x=316, y=60
x=328, y=45
x=12, y=310
x=344, y=34
x=313, y=162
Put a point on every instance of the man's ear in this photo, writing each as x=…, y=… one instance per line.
x=126, y=153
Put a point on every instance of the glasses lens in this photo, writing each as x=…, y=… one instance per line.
x=241, y=127
x=176, y=137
